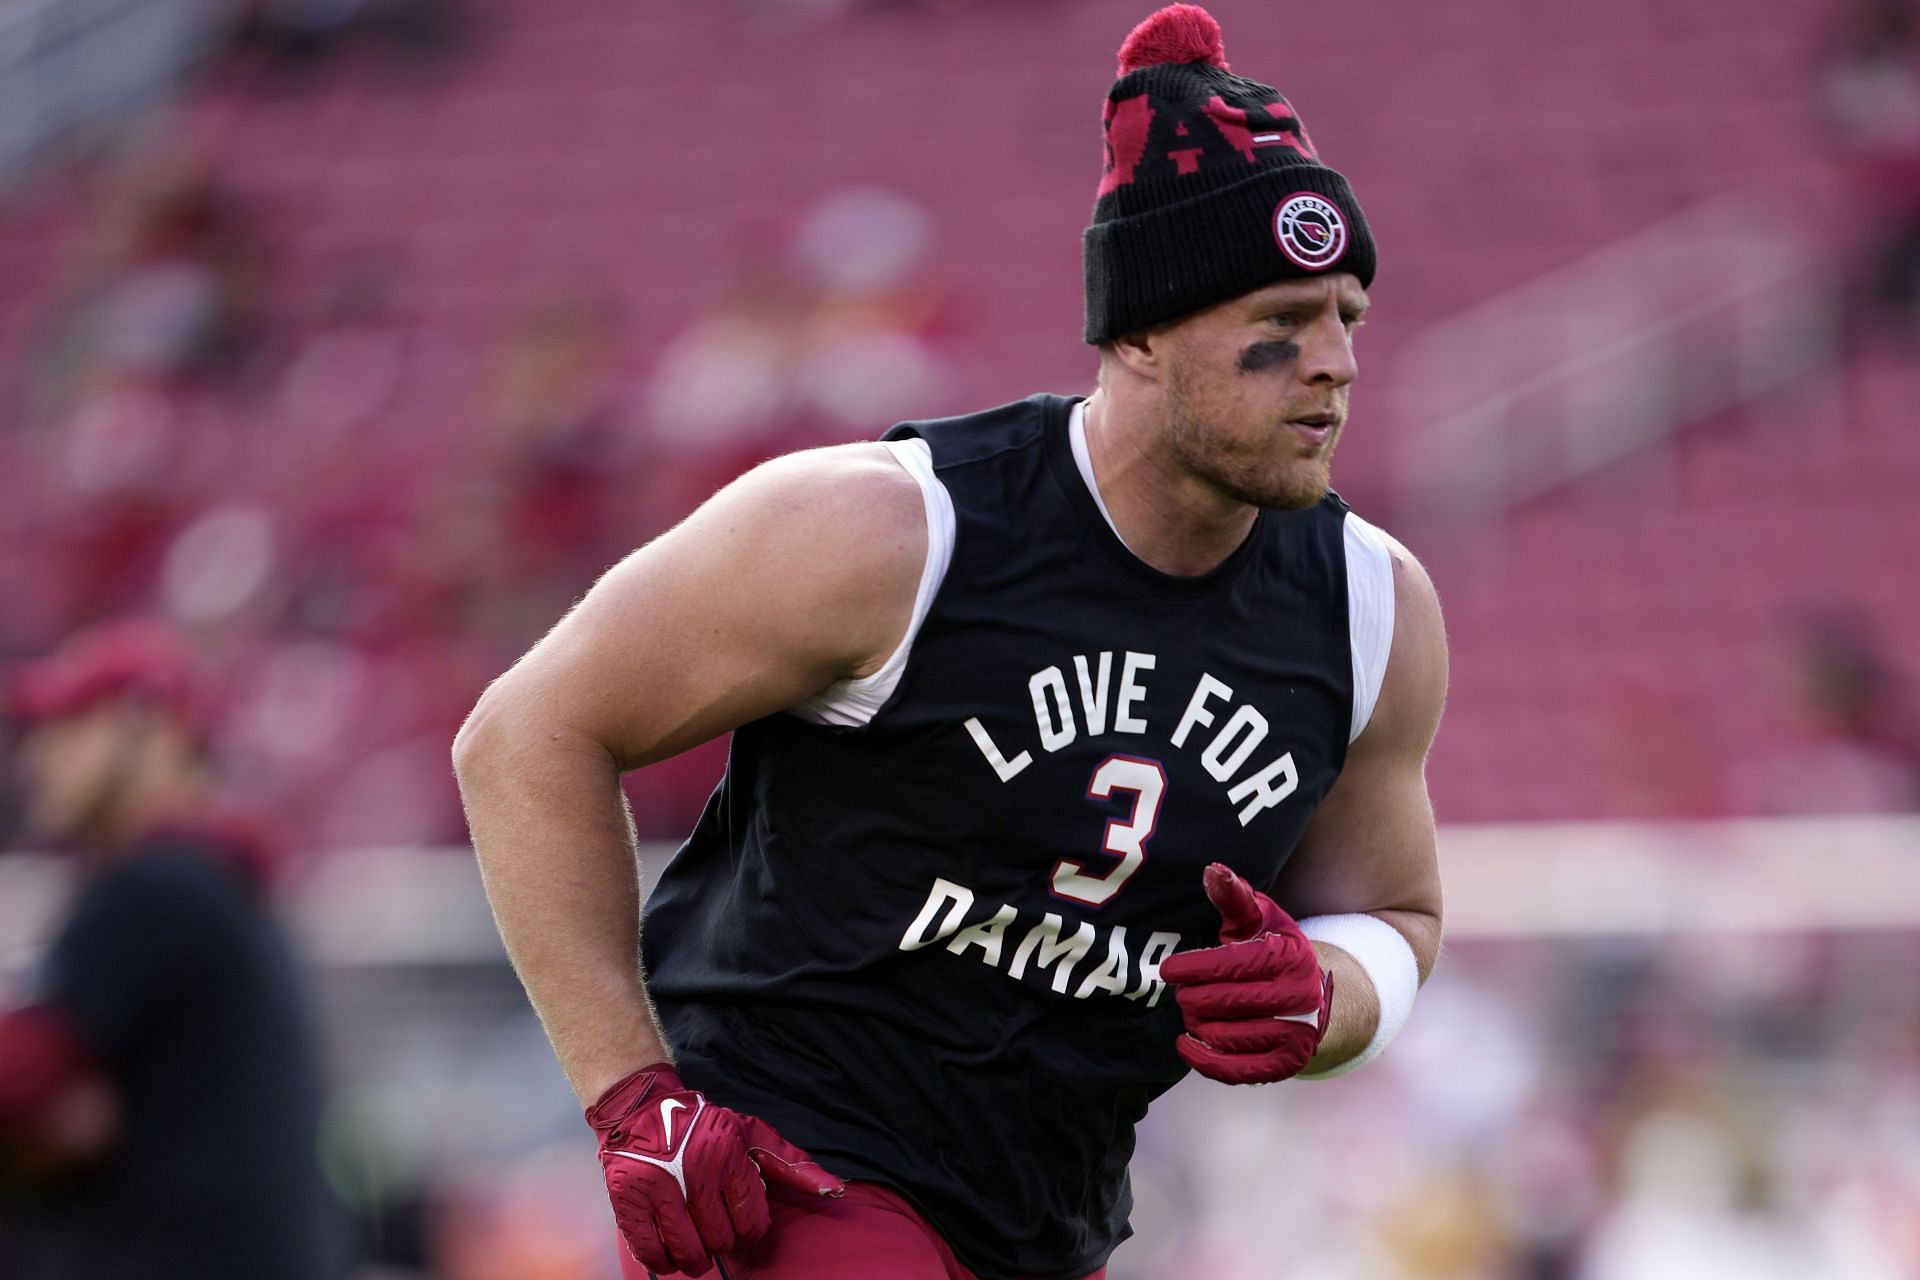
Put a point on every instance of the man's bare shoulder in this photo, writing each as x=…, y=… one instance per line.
x=1413, y=589
x=850, y=512
x=828, y=544
x=861, y=482
x=801, y=572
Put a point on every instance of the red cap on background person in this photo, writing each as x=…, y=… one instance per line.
x=135, y=658
x=164, y=987
x=116, y=729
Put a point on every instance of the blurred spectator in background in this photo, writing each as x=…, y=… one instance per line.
x=1847, y=747
x=119, y=396
x=1873, y=95
x=362, y=373
x=844, y=336
x=554, y=442
x=1693, y=1203
x=158, y=1101
x=873, y=345
x=303, y=34
x=165, y=299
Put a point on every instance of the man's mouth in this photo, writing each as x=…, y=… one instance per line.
x=1315, y=427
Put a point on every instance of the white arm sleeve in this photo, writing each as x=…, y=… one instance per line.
x=1389, y=963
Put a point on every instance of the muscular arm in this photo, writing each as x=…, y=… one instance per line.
x=798, y=574
x=1370, y=846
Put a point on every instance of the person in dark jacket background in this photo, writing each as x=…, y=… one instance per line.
x=158, y=1094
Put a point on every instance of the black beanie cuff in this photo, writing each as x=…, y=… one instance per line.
x=1172, y=260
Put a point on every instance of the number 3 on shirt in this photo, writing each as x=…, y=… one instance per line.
x=1125, y=840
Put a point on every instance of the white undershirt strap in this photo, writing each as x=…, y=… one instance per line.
x=855, y=702
x=1369, y=615
x=1077, y=437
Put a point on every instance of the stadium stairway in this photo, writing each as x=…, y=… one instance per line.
x=1634, y=649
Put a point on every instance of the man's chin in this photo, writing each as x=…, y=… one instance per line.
x=1296, y=491
x=1288, y=483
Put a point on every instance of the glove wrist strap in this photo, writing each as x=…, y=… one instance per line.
x=625, y=1094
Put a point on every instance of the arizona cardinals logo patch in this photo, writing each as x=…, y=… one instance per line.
x=1310, y=230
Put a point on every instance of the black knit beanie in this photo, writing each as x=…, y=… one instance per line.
x=1212, y=187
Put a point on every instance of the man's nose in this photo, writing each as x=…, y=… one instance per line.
x=1326, y=353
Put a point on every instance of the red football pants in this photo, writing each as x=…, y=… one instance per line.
x=870, y=1233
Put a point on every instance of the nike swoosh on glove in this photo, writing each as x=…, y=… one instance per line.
x=688, y=1179
x=1255, y=1006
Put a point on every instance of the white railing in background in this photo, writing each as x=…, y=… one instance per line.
x=1603, y=357
x=400, y=908
x=1752, y=875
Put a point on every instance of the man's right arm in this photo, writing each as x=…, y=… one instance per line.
x=801, y=573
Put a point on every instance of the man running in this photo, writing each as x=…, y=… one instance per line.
x=1076, y=743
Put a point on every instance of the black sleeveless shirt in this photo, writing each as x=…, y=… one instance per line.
x=926, y=949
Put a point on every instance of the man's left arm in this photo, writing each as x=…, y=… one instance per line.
x=1369, y=850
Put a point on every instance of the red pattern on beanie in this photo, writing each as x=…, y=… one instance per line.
x=136, y=658
x=1207, y=176
x=1177, y=33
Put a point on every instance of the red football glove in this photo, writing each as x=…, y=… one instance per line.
x=687, y=1178
x=1257, y=1005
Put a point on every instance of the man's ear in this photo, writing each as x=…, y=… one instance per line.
x=1142, y=353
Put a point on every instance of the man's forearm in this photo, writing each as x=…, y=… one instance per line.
x=1356, y=1012
x=555, y=845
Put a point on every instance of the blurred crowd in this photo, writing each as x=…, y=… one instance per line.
x=1637, y=1109
x=360, y=517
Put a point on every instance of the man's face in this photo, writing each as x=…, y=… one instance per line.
x=1256, y=389
x=69, y=765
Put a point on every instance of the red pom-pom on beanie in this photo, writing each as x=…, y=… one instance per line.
x=1177, y=33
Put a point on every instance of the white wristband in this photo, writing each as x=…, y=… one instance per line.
x=1384, y=954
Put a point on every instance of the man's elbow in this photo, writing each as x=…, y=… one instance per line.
x=481, y=738
x=1427, y=949
x=512, y=740
x=467, y=749
x=1421, y=927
